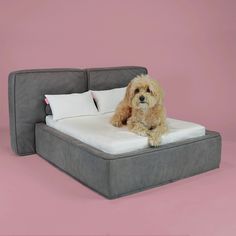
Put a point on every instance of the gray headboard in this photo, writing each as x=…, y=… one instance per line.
x=26, y=90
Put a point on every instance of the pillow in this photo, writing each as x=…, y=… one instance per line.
x=107, y=100
x=48, y=110
x=71, y=105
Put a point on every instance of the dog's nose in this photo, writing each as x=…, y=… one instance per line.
x=141, y=98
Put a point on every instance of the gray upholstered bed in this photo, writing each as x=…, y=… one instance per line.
x=110, y=175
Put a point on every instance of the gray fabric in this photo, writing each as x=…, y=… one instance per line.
x=109, y=78
x=129, y=175
x=26, y=95
x=71, y=156
x=27, y=89
x=110, y=175
x=117, y=175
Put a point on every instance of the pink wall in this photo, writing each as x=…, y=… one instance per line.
x=188, y=45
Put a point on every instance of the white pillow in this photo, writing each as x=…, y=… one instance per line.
x=71, y=105
x=107, y=100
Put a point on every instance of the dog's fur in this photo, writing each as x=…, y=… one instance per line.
x=147, y=117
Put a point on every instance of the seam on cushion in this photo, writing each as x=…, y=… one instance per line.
x=109, y=177
x=14, y=98
x=128, y=156
x=77, y=70
x=116, y=68
x=47, y=70
x=88, y=79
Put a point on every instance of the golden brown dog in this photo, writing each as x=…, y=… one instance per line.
x=142, y=109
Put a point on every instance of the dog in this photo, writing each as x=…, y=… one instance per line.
x=142, y=109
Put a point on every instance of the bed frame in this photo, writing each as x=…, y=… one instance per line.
x=110, y=175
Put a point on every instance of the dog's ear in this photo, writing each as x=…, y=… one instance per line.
x=157, y=91
x=128, y=95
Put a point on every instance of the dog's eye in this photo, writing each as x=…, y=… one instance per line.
x=148, y=90
x=136, y=91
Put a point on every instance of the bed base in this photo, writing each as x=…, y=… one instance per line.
x=114, y=176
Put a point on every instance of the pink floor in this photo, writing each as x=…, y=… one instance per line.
x=38, y=199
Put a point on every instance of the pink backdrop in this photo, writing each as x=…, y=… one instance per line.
x=188, y=45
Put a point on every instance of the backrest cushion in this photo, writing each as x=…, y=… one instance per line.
x=113, y=77
x=26, y=94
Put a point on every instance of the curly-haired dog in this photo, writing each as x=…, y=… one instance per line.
x=142, y=109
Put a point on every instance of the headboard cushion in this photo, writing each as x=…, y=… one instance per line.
x=28, y=87
x=26, y=94
x=113, y=77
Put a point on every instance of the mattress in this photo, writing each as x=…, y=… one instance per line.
x=97, y=131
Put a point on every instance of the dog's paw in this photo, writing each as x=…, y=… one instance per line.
x=116, y=122
x=154, y=141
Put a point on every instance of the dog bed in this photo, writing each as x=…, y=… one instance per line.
x=112, y=175
x=97, y=132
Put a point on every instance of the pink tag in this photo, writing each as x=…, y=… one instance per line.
x=46, y=101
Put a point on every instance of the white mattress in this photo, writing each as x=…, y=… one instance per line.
x=99, y=133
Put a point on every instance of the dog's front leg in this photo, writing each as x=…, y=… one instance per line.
x=137, y=127
x=154, y=135
x=122, y=113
